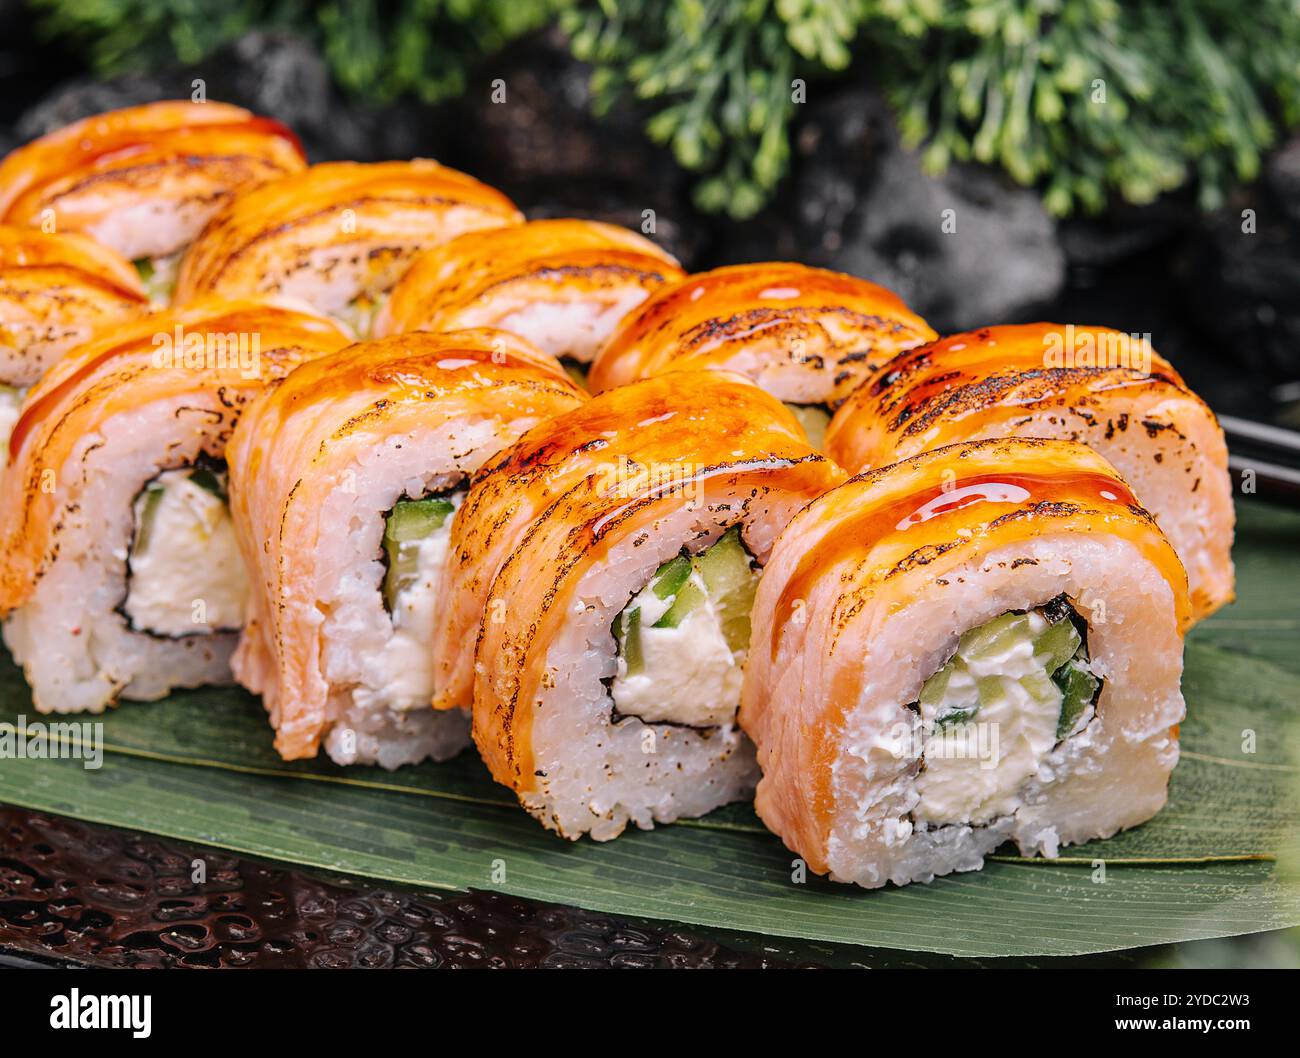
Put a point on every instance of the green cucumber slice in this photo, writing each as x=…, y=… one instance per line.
x=991, y=690
x=627, y=631
x=670, y=577
x=934, y=689
x=724, y=565
x=1054, y=647
x=722, y=573
x=148, y=514
x=995, y=635
x=1040, y=688
x=415, y=519
x=1078, y=688
x=409, y=522
x=731, y=581
x=144, y=266
x=688, y=597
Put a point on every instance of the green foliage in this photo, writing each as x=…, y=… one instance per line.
x=1088, y=97
x=724, y=74
x=423, y=47
x=1082, y=98
x=377, y=49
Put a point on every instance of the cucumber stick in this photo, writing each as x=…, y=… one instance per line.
x=1058, y=650
x=722, y=573
x=627, y=630
x=670, y=577
x=731, y=580
x=686, y=599
x=409, y=523
x=1057, y=645
x=1078, y=688
x=146, y=515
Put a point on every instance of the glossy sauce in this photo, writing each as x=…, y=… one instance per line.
x=918, y=377
x=708, y=319
x=726, y=291
x=274, y=225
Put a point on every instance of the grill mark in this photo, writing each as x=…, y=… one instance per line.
x=988, y=392
x=568, y=272
x=218, y=267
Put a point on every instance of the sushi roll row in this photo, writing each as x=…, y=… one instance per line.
x=425, y=475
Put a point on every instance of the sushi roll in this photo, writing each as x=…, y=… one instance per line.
x=344, y=481
x=562, y=284
x=805, y=335
x=1104, y=388
x=978, y=644
x=55, y=292
x=337, y=236
x=607, y=562
x=146, y=179
x=119, y=572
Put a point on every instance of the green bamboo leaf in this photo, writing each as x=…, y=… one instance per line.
x=1221, y=859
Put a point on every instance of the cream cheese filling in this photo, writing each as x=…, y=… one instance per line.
x=402, y=675
x=991, y=715
x=690, y=675
x=682, y=638
x=185, y=573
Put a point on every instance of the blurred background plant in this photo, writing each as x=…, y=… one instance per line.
x=1090, y=101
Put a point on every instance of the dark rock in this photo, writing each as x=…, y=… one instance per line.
x=31, y=64
x=1241, y=285
x=1125, y=231
x=1282, y=176
x=85, y=96
x=543, y=146
x=861, y=203
x=285, y=77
